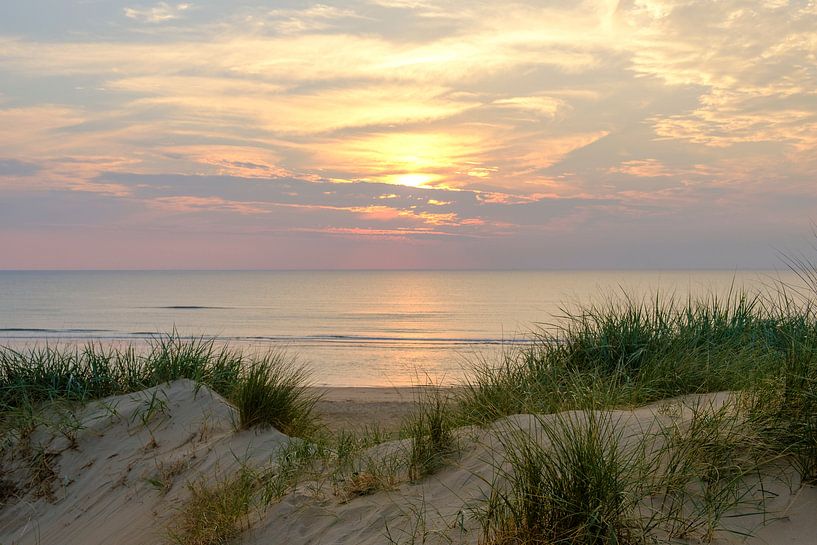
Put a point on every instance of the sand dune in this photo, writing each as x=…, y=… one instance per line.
x=121, y=479
x=106, y=486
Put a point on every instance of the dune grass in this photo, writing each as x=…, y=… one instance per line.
x=586, y=478
x=274, y=391
x=783, y=406
x=270, y=389
x=581, y=481
x=217, y=513
x=566, y=482
x=631, y=352
x=81, y=373
x=430, y=429
x=707, y=465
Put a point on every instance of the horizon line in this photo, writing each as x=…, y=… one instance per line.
x=515, y=269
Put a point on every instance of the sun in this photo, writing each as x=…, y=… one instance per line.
x=407, y=159
x=414, y=179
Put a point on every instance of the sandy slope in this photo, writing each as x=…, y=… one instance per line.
x=103, y=492
x=440, y=509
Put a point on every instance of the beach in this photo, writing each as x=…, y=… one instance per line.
x=350, y=407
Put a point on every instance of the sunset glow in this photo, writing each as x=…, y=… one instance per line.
x=412, y=180
x=389, y=133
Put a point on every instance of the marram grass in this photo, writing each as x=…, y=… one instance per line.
x=273, y=391
x=267, y=390
x=216, y=514
x=630, y=352
x=581, y=478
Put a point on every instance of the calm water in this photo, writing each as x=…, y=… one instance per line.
x=352, y=328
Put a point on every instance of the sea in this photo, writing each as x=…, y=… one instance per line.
x=351, y=328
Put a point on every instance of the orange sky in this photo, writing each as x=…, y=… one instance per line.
x=406, y=133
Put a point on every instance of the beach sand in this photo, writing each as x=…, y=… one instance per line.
x=351, y=407
x=122, y=476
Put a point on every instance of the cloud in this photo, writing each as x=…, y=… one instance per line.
x=307, y=113
x=474, y=50
x=755, y=85
x=416, y=120
x=317, y=17
x=542, y=105
x=186, y=203
x=642, y=168
x=284, y=203
x=30, y=130
x=13, y=167
x=241, y=161
x=158, y=13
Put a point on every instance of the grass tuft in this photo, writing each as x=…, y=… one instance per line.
x=430, y=429
x=215, y=515
x=569, y=481
x=273, y=391
x=582, y=478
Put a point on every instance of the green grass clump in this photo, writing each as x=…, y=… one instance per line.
x=172, y=357
x=215, y=515
x=571, y=483
x=359, y=463
x=273, y=391
x=784, y=407
x=581, y=478
x=48, y=373
x=631, y=352
x=344, y=465
x=267, y=390
x=430, y=429
x=705, y=466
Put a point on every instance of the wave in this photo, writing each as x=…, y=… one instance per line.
x=339, y=339
x=46, y=330
x=381, y=339
x=190, y=307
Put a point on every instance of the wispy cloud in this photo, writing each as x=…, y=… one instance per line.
x=318, y=17
x=157, y=13
x=642, y=168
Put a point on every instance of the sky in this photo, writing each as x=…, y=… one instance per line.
x=249, y=134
